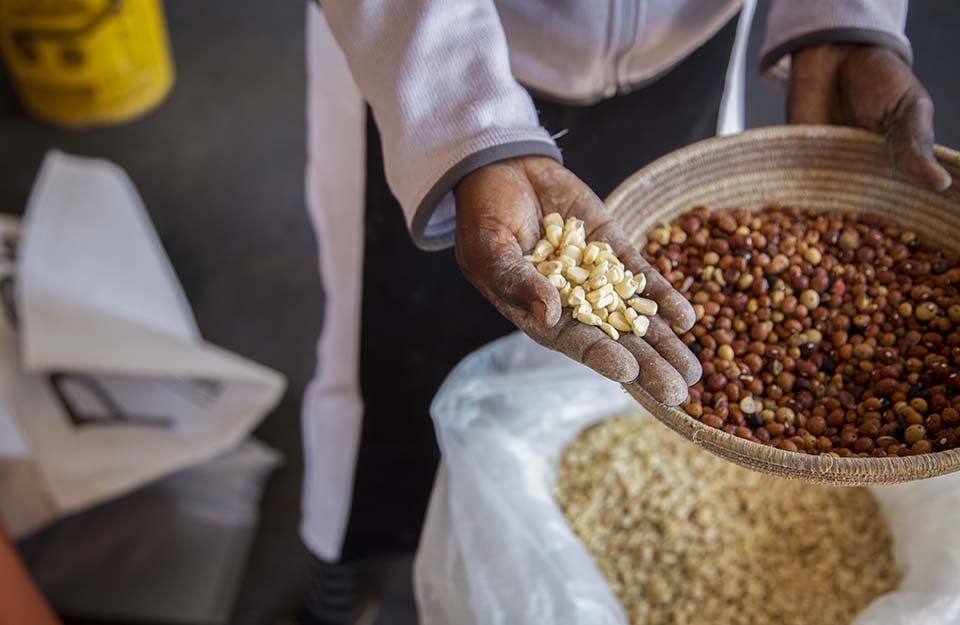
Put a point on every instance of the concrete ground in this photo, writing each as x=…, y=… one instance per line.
x=220, y=167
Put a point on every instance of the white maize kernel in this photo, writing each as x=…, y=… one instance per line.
x=567, y=262
x=543, y=248
x=588, y=318
x=602, y=313
x=615, y=304
x=604, y=246
x=615, y=275
x=577, y=296
x=641, y=283
x=550, y=267
x=644, y=306
x=577, y=275
x=553, y=219
x=590, y=253
x=557, y=280
x=598, y=281
x=627, y=288
x=631, y=314
x=598, y=294
x=610, y=330
x=600, y=269
x=565, y=291
x=554, y=233
x=585, y=308
x=640, y=326
x=572, y=251
x=604, y=301
x=609, y=257
x=619, y=321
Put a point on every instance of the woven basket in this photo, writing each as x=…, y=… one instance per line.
x=820, y=167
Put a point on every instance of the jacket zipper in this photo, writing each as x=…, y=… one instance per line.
x=624, y=33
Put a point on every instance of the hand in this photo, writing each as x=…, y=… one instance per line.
x=499, y=208
x=870, y=87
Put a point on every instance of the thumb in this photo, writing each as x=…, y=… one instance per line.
x=910, y=138
x=495, y=264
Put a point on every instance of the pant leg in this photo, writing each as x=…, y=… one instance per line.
x=332, y=407
x=420, y=317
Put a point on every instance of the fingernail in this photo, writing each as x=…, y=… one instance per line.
x=539, y=310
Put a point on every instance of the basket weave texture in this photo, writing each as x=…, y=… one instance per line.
x=821, y=167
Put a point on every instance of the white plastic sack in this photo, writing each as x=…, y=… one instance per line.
x=496, y=550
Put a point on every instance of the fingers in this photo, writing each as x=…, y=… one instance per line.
x=493, y=261
x=671, y=348
x=656, y=375
x=673, y=306
x=583, y=343
x=911, y=140
x=811, y=90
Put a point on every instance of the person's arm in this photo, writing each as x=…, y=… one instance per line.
x=848, y=62
x=20, y=601
x=437, y=75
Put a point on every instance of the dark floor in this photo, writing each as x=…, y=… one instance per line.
x=227, y=199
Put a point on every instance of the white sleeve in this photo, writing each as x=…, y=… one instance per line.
x=436, y=74
x=795, y=24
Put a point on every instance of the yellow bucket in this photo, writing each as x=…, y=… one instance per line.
x=86, y=62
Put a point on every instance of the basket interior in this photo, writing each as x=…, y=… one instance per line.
x=820, y=167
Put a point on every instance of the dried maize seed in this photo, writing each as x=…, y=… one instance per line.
x=631, y=314
x=596, y=295
x=615, y=275
x=598, y=281
x=603, y=313
x=604, y=301
x=573, y=223
x=584, y=308
x=553, y=219
x=554, y=234
x=627, y=288
x=577, y=275
x=557, y=280
x=572, y=251
x=566, y=261
x=641, y=283
x=565, y=291
x=600, y=269
x=610, y=330
x=615, y=304
x=619, y=321
x=549, y=267
x=543, y=248
x=609, y=257
x=644, y=306
x=604, y=246
x=590, y=253
x=588, y=318
x=640, y=325
x=577, y=296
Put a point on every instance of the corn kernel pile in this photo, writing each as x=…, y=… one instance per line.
x=684, y=537
x=591, y=279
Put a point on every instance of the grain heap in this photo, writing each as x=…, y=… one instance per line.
x=591, y=279
x=823, y=333
x=684, y=537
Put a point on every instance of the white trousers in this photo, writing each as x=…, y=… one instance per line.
x=332, y=406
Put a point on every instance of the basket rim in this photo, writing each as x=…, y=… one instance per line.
x=813, y=468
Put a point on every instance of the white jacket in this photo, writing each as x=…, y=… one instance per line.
x=442, y=75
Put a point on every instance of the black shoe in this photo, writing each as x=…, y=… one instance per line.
x=335, y=596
